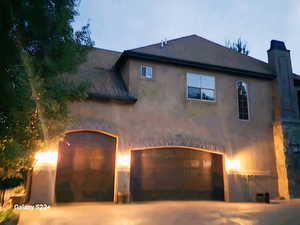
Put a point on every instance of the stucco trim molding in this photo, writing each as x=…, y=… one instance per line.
x=179, y=140
x=101, y=126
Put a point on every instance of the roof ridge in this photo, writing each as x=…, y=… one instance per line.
x=229, y=49
x=212, y=42
x=158, y=43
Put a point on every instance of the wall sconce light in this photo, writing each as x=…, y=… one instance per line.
x=123, y=161
x=46, y=158
x=232, y=165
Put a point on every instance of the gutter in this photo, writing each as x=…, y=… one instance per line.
x=106, y=98
x=239, y=72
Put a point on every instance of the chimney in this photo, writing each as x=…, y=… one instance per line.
x=280, y=61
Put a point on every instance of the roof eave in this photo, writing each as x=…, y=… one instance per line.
x=107, y=98
x=239, y=72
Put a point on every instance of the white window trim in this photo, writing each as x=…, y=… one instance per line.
x=237, y=101
x=196, y=99
x=141, y=72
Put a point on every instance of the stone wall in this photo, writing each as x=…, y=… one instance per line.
x=287, y=123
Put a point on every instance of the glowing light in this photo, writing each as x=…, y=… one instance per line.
x=123, y=161
x=232, y=165
x=46, y=158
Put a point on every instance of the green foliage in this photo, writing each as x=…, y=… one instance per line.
x=38, y=49
x=238, y=45
x=11, y=183
x=8, y=215
x=20, y=189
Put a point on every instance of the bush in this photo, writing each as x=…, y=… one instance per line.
x=8, y=216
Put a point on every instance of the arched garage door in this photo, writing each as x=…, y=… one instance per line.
x=176, y=174
x=85, y=168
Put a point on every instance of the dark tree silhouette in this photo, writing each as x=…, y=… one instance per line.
x=38, y=48
x=239, y=45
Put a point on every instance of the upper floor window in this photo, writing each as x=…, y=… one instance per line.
x=146, y=71
x=242, y=95
x=201, y=87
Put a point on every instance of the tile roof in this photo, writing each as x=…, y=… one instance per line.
x=106, y=83
x=196, y=49
x=297, y=76
x=101, y=66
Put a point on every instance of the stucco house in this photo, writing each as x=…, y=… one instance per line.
x=183, y=119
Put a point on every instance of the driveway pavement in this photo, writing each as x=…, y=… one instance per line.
x=166, y=213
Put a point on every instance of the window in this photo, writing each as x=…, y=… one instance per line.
x=146, y=71
x=201, y=87
x=242, y=95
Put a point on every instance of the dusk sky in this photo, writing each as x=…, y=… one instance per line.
x=126, y=24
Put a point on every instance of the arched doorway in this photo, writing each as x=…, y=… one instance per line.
x=176, y=174
x=86, y=167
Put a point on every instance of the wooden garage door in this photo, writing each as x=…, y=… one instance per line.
x=86, y=166
x=176, y=174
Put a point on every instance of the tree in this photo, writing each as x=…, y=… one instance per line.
x=239, y=45
x=38, y=48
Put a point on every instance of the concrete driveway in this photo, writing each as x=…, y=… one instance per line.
x=166, y=213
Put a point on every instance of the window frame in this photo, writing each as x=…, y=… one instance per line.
x=197, y=99
x=141, y=72
x=237, y=101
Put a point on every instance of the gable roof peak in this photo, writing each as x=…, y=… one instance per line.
x=197, y=49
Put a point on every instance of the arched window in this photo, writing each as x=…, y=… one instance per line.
x=242, y=95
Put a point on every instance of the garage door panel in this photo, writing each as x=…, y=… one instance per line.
x=173, y=195
x=158, y=174
x=85, y=170
x=200, y=184
x=165, y=184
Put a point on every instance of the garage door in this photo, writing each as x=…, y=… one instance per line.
x=176, y=174
x=86, y=166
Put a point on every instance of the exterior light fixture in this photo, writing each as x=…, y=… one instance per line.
x=232, y=164
x=123, y=161
x=46, y=158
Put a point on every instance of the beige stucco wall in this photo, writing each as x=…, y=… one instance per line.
x=43, y=185
x=163, y=116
